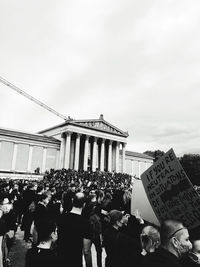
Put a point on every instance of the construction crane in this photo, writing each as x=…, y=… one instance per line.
x=18, y=90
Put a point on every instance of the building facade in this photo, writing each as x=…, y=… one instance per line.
x=75, y=144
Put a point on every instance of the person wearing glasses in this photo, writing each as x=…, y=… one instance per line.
x=175, y=243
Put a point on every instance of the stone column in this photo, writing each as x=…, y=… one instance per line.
x=102, y=155
x=94, y=155
x=30, y=158
x=123, y=158
x=117, y=157
x=62, y=151
x=14, y=157
x=139, y=169
x=67, y=150
x=132, y=167
x=77, y=150
x=57, y=159
x=44, y=159
x=110, y=156
x=85, y=163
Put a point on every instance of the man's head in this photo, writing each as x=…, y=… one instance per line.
x=40, y=189
x=5, y=205
x=116, y=218
x=175, y=237
x=150, y=238
x=32, y=186
x=44, y=199
x=79, y=200
x=72, y=187
x=46, y=230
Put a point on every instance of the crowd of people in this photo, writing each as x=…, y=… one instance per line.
x=67, y=211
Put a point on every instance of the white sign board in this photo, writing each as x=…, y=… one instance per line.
x=170, y=191
x=141, y=203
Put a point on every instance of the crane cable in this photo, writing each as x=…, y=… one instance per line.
x=17, y=89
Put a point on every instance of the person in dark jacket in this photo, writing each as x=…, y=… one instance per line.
x=40, y=213
x=28, y=206
x=121, y=249
x=42, y=254
x=175, y=244
x=67, y=198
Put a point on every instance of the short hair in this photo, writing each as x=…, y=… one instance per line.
x=152, y=233
x=115, y=215
x=43, y=197
x=2, y=197
x=40, y=188
x=72, y=185
x=79, y=200
x=45, y=228
x=168, y=229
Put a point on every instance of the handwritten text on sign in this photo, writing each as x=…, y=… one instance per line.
x=170, y=192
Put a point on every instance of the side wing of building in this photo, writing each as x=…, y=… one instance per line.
x=22, y=152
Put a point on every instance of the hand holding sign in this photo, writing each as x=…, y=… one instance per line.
x=138, y=216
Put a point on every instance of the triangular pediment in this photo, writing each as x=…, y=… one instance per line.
x=96, y=124
x=100, y=125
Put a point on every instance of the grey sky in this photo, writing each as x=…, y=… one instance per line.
x=136, y=62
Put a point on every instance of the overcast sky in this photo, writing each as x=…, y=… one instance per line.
x=135, y=62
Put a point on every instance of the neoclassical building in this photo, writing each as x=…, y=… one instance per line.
x=75, y=144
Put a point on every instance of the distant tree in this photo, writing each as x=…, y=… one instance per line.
x=155, y=154
x=191, y=165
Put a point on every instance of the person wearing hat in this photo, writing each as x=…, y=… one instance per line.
x=121, y=250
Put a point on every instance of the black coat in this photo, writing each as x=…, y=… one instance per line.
x=160, y=258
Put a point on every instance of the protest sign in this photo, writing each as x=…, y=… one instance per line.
x=170, y=192
x=140, y=202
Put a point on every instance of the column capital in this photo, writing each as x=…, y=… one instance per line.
x=62, y=134
x=123, y=144
x=103, y=140
x=95, y=139
x=68, y=133
x=110, y=142
x=78, y=134
x=87, y=137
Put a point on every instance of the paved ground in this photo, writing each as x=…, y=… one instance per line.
x=19, y=248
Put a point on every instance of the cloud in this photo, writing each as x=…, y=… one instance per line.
x=137, y=62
